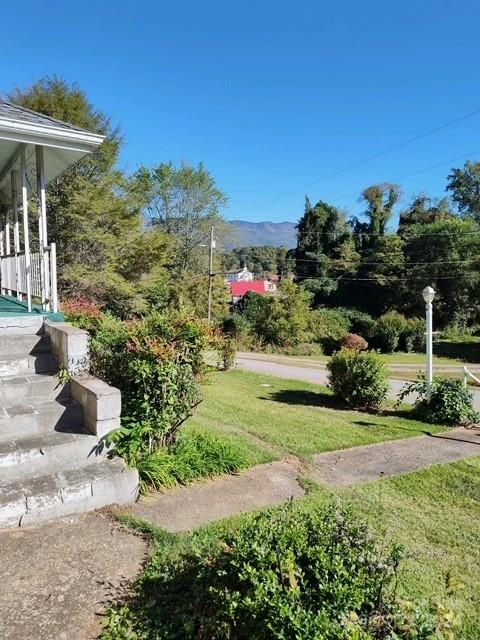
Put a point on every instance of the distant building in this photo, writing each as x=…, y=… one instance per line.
x=240, y=289
x=242, y=275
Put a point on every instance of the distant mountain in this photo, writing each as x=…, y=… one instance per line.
x=273, y=234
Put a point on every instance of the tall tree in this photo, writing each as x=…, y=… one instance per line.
x=94, y=214
x=322, y=234
x=464, y=185
x=184, y=202
x=380, y=200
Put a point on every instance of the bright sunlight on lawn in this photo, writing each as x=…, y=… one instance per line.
x=269, y=417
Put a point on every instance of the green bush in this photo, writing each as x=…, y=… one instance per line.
x=413, y=337
x=329, y=327
x=358, y=378
x=449, y=403
x=361, y=323
x=278, y=575
x=194, y=455
x=227, y=350
x=154, y=362
x=389, y=329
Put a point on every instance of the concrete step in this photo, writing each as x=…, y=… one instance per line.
x=38, y=416
x=46, y=386
x=39, y=455
x=18, y=325
x=24, y=344
x=67, y=492
x=14, y=365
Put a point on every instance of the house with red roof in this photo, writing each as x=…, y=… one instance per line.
x=240, y=289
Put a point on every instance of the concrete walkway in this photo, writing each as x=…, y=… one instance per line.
x=387, y=459
x=318, y=374
x=192, y=506
x=57, y=579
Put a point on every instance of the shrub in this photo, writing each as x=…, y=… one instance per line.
x=227, y=349
x=413, y=338
x=450, y=402
x=329, y=327
x=389, y=329
x=281, y=574
x=359, y=378
x=154, y=362
x=361, y=322
x=82, y=312
x=354, y=342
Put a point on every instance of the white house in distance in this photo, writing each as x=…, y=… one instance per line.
x=242, y=275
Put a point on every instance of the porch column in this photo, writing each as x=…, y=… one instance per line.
x=42, y=228
x=26, y=239
x=7, y=250
x=2, y=262
x=16, y=232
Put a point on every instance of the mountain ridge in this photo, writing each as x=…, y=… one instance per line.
x=272, y=234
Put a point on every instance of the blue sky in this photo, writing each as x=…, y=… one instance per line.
x=271, y=96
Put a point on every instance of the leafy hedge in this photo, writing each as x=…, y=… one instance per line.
x=281, y=574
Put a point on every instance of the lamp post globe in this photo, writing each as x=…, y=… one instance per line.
x=428, y=294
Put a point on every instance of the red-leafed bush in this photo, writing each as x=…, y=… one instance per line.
x=82, y=313
x=354, y=342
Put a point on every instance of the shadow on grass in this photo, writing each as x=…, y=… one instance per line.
x=327, y=401
x=306, y=398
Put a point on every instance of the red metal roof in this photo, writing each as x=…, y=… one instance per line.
x=239, y=289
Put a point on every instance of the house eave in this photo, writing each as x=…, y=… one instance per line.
x=48, y=136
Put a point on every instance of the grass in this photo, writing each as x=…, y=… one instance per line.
x=277, y=417
x=434, y=513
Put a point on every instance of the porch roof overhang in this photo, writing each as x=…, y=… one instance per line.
x=63, y=143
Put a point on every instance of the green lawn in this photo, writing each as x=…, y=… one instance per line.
x=269, y=417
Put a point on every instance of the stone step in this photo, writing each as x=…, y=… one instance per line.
x=23, y=388
x=24, y=344
x=67, y=492
x=38, y=416
x=13, y=365
x=40, y=455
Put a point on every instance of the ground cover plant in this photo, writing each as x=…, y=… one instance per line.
x=290, y=572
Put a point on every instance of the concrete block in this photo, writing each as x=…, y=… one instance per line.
x=102, y=404
x=13, y=505
x=70, y=345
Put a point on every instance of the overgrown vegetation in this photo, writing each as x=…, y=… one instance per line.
x=286, y=573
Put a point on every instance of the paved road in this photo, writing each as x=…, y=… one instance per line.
x=310, y=372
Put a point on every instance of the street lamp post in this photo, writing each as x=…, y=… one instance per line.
x=428, y=295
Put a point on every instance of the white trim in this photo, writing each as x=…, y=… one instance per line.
x=50, y=132
x=49, y=141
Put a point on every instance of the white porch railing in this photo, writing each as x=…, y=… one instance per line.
x=468, y=374
x=32, y=275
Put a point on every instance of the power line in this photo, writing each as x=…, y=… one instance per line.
x=394, y=147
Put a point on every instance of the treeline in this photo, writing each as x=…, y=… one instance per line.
x=264, y=261
x=360, y=263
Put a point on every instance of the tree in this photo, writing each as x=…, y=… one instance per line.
x=93, y=210
x=322, y=235
x=424, y=210
x=445, y=255
x=380, y=200
x=464, y=185
x=184, y=202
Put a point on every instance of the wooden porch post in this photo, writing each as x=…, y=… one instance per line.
x=16, y=231
x=42, y=228
x=2, y=262
x=26, y=239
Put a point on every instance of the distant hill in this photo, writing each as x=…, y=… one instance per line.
x=273, y=234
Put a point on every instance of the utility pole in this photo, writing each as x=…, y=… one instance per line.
x=210, y=274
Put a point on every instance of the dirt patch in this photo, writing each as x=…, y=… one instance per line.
x=57, y=579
